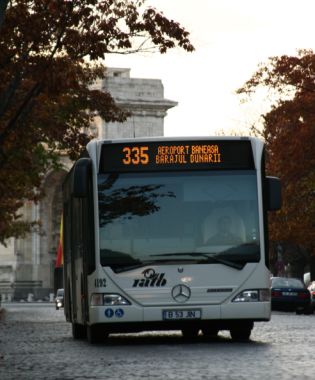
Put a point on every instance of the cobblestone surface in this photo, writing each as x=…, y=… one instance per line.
x=36, y=343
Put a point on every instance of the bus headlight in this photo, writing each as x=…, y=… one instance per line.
x=106, y=299
x=255, y=295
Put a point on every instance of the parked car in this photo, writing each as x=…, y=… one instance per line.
x=311, y=289
x=290, y=294
x=59, y=300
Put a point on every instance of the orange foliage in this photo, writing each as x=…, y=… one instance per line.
x=289, y=131
x=50, y=54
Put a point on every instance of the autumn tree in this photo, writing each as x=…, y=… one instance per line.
x=51, y=51
x=289, y=132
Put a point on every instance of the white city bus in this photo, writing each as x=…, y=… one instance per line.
x=168, y=234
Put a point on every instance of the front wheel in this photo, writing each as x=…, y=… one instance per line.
x=95, y=334
x=241, y=334
x=190, y=332
x=308, y=310
x=78, y=331
x=210, y=332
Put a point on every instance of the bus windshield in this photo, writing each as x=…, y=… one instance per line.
x=178, y=217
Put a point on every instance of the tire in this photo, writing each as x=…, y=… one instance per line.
x=95, y=334
x=241, y=334
x=210, y=332
x=78, y=331
x=57, y=308
x=308, y=310
x=190, y=332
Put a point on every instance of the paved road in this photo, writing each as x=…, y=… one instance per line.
x=36, y=343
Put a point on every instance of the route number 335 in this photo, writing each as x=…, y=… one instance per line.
x=136, y=155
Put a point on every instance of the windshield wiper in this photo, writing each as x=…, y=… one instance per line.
x=229, y=263
x=215, y=257
x=124, y=268
x=119, y=268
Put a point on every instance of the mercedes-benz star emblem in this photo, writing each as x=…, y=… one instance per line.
x=181, y=293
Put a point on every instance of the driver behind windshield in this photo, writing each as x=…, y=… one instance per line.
x=224, y=234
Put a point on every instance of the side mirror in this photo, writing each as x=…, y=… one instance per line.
x=273, y=193
x=81, y=177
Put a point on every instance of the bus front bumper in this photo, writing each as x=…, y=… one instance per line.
x=175, y=317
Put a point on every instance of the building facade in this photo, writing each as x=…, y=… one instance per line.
x=27, y=265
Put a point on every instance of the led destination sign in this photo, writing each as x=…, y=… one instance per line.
x=184, y=154
x=171, y=155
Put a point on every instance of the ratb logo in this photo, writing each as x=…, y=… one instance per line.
x=151, y=279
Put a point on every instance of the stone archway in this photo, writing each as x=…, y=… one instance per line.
x=50, y=217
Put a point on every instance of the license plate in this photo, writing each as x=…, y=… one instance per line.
x=289, y=293
x=182, y=314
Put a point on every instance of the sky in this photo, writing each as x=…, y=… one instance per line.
x=231, y=37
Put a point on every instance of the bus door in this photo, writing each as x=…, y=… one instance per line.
x=82, y=257
x=87, y=225
x=76, y=251
x=88, y=229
